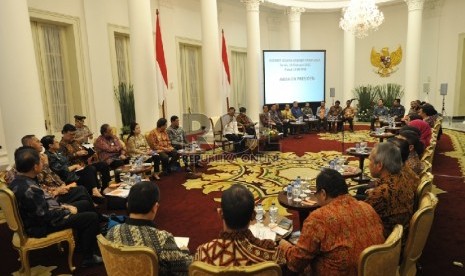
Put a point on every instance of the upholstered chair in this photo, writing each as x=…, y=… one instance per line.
x=382, y=259
x=21, y=241
x=261, y=269
x=122, y=260
x=420, y=225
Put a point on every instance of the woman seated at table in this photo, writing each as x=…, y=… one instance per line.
x=84, y=176
x=136, y=145
x=416, y=148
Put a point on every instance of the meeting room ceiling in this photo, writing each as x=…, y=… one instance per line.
x=319, y=5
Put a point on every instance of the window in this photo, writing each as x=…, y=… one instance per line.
x=190, y=57
x=238, y=79
x=54, y=74
x=122, y=58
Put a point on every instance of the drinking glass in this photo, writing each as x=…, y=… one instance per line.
x=357, y=147
x=363, y=146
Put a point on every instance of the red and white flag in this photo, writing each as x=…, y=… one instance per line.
x=226, y=79
x=162, y=73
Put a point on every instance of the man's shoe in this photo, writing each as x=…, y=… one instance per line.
x=91, y=261
x=188, y=169
x=199, y=165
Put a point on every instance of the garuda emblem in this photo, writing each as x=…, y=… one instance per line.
x=386, y=62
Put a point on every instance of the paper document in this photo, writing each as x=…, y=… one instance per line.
x=280, y=231
x=181, y=241
x=262, y=232
x=119, y=193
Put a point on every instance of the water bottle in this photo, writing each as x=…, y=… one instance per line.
x=259, y=213
x=273, y=213
x=289, y=192
x=337, y=165
x=298, y=180
x=296, y=190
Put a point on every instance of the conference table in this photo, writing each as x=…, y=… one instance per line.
x=298, y=128
x=302, y=209
x=362, y=154
x=382, y=136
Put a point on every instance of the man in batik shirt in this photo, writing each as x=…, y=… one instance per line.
x=334, y=114
x=77, y=154
x=52, y=184
x=334, y=235
x=393, y=195
x=109, y=148
x=236, y=245
x=159, y=141
x=348, y=114
x=245, y=121
x=139, y=230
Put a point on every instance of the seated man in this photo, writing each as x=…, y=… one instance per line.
x=348, y=114
x=160, y=142
x=178, y=141
x=77, y=154
x=83, y=176
x=275, y=116
x=397, y=110
x=52, y=184
x=392, y=197
x=307, y=110
x=139, y=230
x=334, y=235
x=245, y=122
x=42, y=215
x=335, y=113
x=379, y=111
x=296, y=111
x=321, y=115
x=265, y=118
x=230, y=130
x=83, y=133
x=109, y=148
x=287, y=117
x=236, y=245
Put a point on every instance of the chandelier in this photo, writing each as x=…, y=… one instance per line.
x=360, y=17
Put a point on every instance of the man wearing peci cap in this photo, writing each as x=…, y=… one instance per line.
x=83, y=133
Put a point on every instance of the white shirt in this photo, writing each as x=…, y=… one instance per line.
x=229, y=124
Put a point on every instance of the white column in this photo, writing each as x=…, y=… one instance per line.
x=20, y=96
x=348, y=78
x=214, y=102
x=412, y=59
x=143, y=63
x=293, y=15
x=253, y=58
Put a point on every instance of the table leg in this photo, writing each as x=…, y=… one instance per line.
x=362, y=178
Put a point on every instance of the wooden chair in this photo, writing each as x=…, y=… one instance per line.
x=428, y=154
x=217, y=127
x=426, y=185
x=382, y=259
x=127, y=260
x=420, y=225
x=21, y=241
x=427, y=168
x=269, y=268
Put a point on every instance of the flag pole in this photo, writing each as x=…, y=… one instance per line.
x=163, y=109
x=227, y=103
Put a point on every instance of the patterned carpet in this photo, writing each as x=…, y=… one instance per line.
x=458, y=142
x=268, y=174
